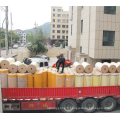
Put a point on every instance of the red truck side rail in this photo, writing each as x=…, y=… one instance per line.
x=59, y=93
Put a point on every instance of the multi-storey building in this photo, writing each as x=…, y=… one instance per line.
x=94, y=34
x=59, y=24
x=22, y=35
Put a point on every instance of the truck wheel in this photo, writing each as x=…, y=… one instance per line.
x=89, y=105
x=68, y=106
x=108, y=104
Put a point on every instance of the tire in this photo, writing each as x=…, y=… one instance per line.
x=68, y=106
x=89, y=105
x=108, y=104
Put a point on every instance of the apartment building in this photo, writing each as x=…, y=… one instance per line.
x=59, y=24
x=94, y=34
x=22, y=35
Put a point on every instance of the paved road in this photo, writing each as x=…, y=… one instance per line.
x=14, y=52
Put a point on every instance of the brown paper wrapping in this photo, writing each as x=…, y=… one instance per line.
x=32, y=68
x=22, y=68
x=78, y=68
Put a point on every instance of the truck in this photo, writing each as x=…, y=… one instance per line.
x=66, y=99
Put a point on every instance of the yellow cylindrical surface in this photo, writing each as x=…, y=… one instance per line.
x=49, y=78
x=32, y=68
x=69, y=82
x=53, y=80
x=113, y=79
x=38, y=79
x=96, y=80
x=87, y=80
x=118, y=79
x=22, y=80
x=60, y=80
x=45, y=78
x=30, y=80
x=79, y=80
x=12, y=80
x=105, y=80
x=4, y=78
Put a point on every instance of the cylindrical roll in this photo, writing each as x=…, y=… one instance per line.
x=117, y=66
x=118, y=79
x=49, y=77
x=1, y=60
x=102, y=68
x=5, y=63
x=22, y=68
x=53, y=80
x=45, y=78
x=78, y=68
x=111, y=68
x=105, y=80
x=13, y=68
x=30, y=80
x=32, y=68
x=69, y=82
x=87, y=80
x=87, y=67
x=12, y=80
x=38, y=80
x=96, y=80
x=79, y=80
x=4, y=78
x=22, y=80
x=113, y=79
x=60, y=80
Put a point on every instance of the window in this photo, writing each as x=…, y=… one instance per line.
x=53, y=25
x=58, y=20
x=46, y=63
x=58, y=31
x=53, y=20
x=108, y=38
x=63, y=37
x=41, y=64
x=71, y=29
x=63, y=20
x=110, y=10
x=63, y=26
x=85, y=59
x=58, y=26
x=67, y=21
x=67, y=15
x=66, y=37
x=80, y=49
x=63, y=15
x=59, y=10
x=53, y=14
x=58, y=36
x=53, y=31
x=58, y=15
x=67, y=31
x=81, y=26
x=53, y=9
x=53, y=36
x=109, y=61
x=63, y=31
x=66, y=26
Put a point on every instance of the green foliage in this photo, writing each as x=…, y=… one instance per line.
x=57, y=44
x=37, y=41
x=2, y=43
x=64, y=44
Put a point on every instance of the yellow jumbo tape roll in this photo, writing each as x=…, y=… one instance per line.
x=45, y=78
x=32, y=68
x=30, y=80
x=96, y=80
x=113, y=79
x=53, y=80
x=87, y=80
x=118, y=79
x=60, y=80
x=69, y=81
x=79, y=80
x=4, y=78
x=38, y=80
x=12, y=80
x=49, y=78
x=105, y=80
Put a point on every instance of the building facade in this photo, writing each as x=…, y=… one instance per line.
x=22, y=36
x=94, y=34
x=59, y=24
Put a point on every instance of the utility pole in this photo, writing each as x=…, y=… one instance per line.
x=11, y=33
x=6, y=31
x=65, y=37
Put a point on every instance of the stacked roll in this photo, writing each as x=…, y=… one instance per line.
x=96, y=80
x=45, y=78
x=22, y=68
x=79, y=80
x=105, y=80
x=113, y=79
x=87, y=80
x=32, y=68
x=87, y=67
x=1, y=61
x=30, y=80
x=78, y=68
x=117, y=66
x=60, y=80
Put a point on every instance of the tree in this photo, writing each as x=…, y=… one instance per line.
x=37, y=40
x=57, y=44
x=64, y=44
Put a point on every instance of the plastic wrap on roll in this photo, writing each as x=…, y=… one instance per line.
x=60, y=80
x=30, y=80
x=22, y=80
x=78, y=68
x=45, y=78
x=105, y=80
x=79, y=80
x=1, y=60
x=5, y=63
x=87, y=67
x=69, y=81
x=4, y=78
x=53, y=80
x=32, y=68
x=96, y=80
x=12, y=80
x=49, y=77
x=22, y=68
x=87, y=80
x=117, y=66
x=113, y=79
